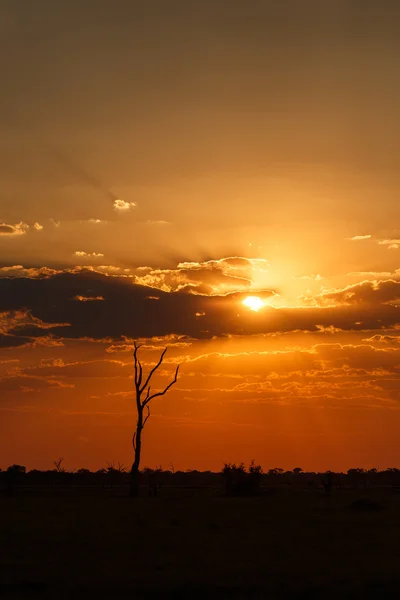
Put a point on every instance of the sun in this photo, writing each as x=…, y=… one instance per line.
x=253, y=303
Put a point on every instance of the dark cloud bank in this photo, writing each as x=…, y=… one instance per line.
x=121, y=308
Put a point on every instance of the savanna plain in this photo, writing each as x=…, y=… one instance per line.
x=287, y=543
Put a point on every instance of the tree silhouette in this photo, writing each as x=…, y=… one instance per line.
x=143, y=396
x=58, y=465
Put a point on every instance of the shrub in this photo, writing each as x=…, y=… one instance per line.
x=241, y=482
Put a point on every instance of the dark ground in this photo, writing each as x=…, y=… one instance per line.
x=286, y=544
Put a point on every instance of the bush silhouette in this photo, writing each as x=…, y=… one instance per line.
x=241, y=482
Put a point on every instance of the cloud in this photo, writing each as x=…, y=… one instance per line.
x=37, y=226
x=339, y=375
x=119, y=348
x=52, y=362
x=88, y=298
x=21, y=328
x=111, y=268
x=195, y=299
x=221, y=276
x=56, y=223
x=49, y=341
x=358, y=238
x=126, y=310
x=375, y=274
x=12, y=341
x=156, y=223
x=324, y=361
x=22, y=382
x=81, y=253
x=21, y=271
x=123, y=205
x=392, y=244
x=22, y=319
x=8, y=230
x=328, y=330
x=92, y=368
x=316, y=277
x=97, y=221
x=372, y=292
x=390, y=340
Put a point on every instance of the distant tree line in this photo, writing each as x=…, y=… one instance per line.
x=234, y=480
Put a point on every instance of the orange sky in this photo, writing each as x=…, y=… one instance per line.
x=159, y=164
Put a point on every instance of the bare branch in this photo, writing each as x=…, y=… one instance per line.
x=150, y=397
x=147, y=416
x=136, y=366
x=154, y=369
x=137, y=361
x=134, y=441
x=140, y=374
x=147, y=396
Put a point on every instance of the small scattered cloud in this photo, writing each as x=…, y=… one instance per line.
x=119, y=348
x=31, y=272
x=316, y=277
x=55, y=223
x=110, y=268
x=359, y=238
x=21, y=382
x=374, y=274
x=17, y=229
x=150, y=222
x=390, y=340
x=88, y=298
x=11, y=269
x=393, y=244
x=21, y=328
x=8, y=230
x=91, y=368
x=96, y=221
x=123, y=205
x=12, y=321
x=331, y=329
x=52, y=362
x=82, y=254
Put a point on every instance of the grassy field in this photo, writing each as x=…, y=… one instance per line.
x=286, y=544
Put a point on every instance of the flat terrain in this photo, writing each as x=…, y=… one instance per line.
x=286, y=544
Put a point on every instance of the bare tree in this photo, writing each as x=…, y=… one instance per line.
x=144, y=396
x=58, y=465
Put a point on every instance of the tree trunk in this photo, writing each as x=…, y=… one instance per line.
x=137, y=446
x=134, y=483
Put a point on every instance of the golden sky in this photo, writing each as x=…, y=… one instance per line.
x=161, y=162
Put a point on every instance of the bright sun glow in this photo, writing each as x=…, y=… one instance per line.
x=253, y=302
